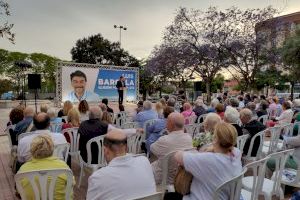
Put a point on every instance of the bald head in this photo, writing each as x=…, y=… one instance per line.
x=115, y=144
x=175, y=122
x=245, y=115
x=28, y=112
x=41, y=121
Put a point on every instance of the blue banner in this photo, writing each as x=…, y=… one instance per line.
x=106, y=83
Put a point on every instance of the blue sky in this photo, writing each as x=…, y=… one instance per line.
x=53, y=26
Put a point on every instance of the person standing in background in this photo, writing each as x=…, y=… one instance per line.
x=121, y=86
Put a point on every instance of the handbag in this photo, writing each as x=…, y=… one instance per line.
x=183, y=181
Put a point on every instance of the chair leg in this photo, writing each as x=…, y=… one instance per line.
x=81, y=174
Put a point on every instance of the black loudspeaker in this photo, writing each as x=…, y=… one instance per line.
x=34, y=81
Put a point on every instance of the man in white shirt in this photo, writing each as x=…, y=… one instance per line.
x=125, y=177
x=176, y=139
x=41, y=122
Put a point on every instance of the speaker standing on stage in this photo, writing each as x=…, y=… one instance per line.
x=121, y=87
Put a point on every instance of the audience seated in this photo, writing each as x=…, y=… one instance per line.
x=171, y=102
x=41, y=149
x=213, y=105
x=52, y=114
x=199, y=108
x=44, y=108
x=250, y=126
x=83, y=109
x=126, y=176
x=89, y=129
x=220, y=110
x=105, y=101
x=232, y=116
x=241, y=102
x=262, y=109
x=287, y=115
x=65, y=110
x=41, y=122
x=159, y=109
x=210, y=169
x=251, y=106
x=73, y=119
x=175, y=140
x=26, y=124
x=163, y=102
x=15, y=116
x=146, y=114
x=234, y=102
x=139, y=107
x=187, y=112
x=155, y=129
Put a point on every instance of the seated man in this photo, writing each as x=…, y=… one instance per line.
x=41, y=122
x=126, y=176
x=41, y=149
x=250, y=126
x=157, y=127
x=176, y=139
x=89, y=129
x=26, y=124
x=146, y=114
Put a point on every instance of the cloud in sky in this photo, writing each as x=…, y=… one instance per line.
x=52, y=27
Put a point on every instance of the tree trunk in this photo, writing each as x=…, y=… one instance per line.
x=208, y=91
x=292, y=90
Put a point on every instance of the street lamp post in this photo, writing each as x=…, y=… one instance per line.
x=121, y=28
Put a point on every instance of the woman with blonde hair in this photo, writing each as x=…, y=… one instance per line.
x=73, y=119
x=65, y=110
x=187, y=111
x=159, y=109
x=41, y=149
x=210, y=169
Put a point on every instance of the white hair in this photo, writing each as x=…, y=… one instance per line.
x=51, y=113
x=297, y=103
x=231, y=115
x=214, y=102
x=199, y=102
x=147, y=105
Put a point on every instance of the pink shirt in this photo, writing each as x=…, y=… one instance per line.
x=188, y=113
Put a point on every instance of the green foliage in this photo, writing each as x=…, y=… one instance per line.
x=96, y=49
x=6, y=85
x=217, y=83
x=271, y=77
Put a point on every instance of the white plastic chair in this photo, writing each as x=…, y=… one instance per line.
x=288, y=129
x=272, y=145
x=241, y=140
x=55, y=127
x=252, y=185
x=231, y=188
x=290, y=176
x=263, y=119
x=191, y=119
x=74, y=141
x=190, y=129
x=271, y=187
x=165, y=172
x=134, y=143
x=297, y=123
x=201, y=118
x=62, y=151
x=129, y=125
x=259, y=135
x=44, y=187
x=88, y=164
x=147, y=123
x=156, y=196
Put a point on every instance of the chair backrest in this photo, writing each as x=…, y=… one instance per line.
x=232, y=187
x=287, y=129
x=190, y=119
x=274, y=139
x=258, y=169
x=112, y=115
x=99, y=141
x=148, y=123
x=190, y=129
x=280, y=160
x=240, y=142
x=62, y=151
x=263, y=119
x=43, y=186
x=156, y=196
x=55, y=127
x=129, y=125
x=201, y=118
x=7, y=132
x=134, y=143
x=259, y=135
x=74, y=139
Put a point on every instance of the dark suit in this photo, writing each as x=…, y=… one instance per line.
x=120, y=84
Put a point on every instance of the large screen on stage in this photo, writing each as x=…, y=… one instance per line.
x=94, y=82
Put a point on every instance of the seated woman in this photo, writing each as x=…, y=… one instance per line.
x=66, y=108
x=83, y=109
x=220, y=110
x=73, y=119
x=232, y=116
x=199, y=108
x=262, y=109
x=16, y=115
x=41, y=150
x=285, y=117
x=187, y=112
x=52, y=114
x=159, y=109
x=210, y=169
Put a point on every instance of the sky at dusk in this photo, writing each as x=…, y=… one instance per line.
x=52, y=27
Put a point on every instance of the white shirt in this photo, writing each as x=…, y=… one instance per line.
x=285, y=117
x=125, y=177
x=127, y=131
x=209, y=171
x=24, y=143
